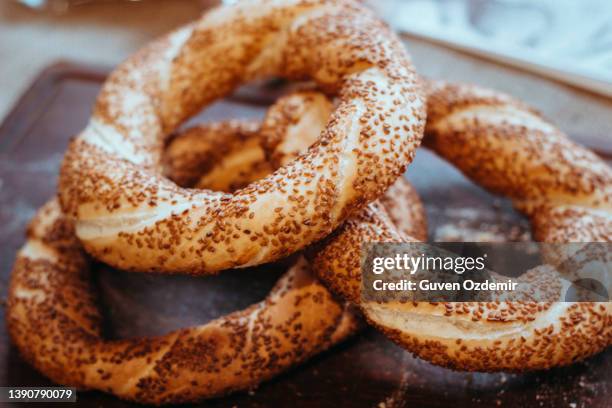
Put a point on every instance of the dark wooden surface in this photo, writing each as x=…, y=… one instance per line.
x=366, y=371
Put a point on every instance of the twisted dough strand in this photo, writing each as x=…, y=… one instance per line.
x=508, y=148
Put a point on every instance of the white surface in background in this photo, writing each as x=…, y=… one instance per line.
x=570, y=40
x=99, y=33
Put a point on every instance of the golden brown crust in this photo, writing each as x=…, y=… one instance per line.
x=566, y=191
x=130, y=217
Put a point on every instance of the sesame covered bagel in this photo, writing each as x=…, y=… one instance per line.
x=51, y=283
x=130, y=216
x=54, y=319
x=563, y=188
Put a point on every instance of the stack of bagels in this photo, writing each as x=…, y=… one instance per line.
x=317, y=178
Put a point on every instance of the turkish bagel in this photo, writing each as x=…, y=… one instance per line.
x=54, y=320
x=564, y=189
x=131, y=217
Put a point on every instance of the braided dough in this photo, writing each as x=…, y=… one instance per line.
x=131, y=217
x=51, y=296
x=565, y=190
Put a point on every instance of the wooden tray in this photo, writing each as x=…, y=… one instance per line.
x=366, y=371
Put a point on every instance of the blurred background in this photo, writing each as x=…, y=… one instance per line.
x=568, y=40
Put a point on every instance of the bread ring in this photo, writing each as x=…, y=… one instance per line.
x=131, y=217
x=54, y=320
x=564, y=189
x=51, y=283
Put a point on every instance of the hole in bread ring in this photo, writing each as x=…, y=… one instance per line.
x=131, y=217
x=229, y=155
